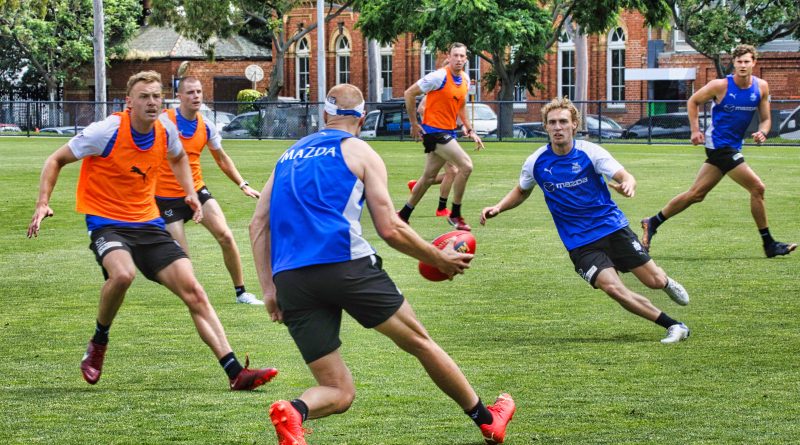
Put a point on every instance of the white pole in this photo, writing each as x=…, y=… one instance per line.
x=99, y=61
x=321, y=90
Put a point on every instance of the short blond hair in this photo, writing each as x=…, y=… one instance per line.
x=743, y=49
x=143, y=76
x=188, y=79
x=562, y=103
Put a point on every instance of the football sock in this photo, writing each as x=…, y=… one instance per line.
x=231, y=366
x=480, y=415
x=765, y=236
x=405, y=212
x=442, y=203
x=239, y=290
x=657, y=220
x=456, y=211
x=301, y=408
x=665, y=321
x=101, y=334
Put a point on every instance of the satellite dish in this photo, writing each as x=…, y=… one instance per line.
x=254, y=73
x=182, y=68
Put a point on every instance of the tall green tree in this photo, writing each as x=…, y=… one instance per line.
x=513, y=36
x=53, y=38
x=263, y=21
x=714, y=27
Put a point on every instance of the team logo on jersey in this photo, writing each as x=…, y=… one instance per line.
x=729, y=108
x=141, y=173
x=549, y=186
x=576, y=168
x=732, y=95
x=752, y=97
x=549, y=170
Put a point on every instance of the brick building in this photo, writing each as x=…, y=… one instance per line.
x=629, y=51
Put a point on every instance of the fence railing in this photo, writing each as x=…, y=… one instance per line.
x=628, y=121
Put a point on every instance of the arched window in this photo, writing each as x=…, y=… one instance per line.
x=616, y=68
x=343, y=60
x=302, y=70
x=387, y=58
x=566, y=66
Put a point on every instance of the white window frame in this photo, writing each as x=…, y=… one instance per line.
x=302, y=54
x=343, y=60
x=427, y=60
x=616, y=42
x=387, y=54
x=566, y=45
x=474, y=72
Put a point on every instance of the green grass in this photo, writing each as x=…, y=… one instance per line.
x=520, y=320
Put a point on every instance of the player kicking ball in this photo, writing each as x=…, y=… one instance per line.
x=591, y=226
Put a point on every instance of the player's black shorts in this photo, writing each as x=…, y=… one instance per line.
x=176, y=209
x=312, y=299
x=429, y=140
x=725, y=159
x=152, y=248
x=620, y=250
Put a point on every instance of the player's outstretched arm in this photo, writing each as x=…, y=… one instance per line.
x=47, y=182
x=260, y=243
x=625, y=183
x=514, y=198
x=369, y=167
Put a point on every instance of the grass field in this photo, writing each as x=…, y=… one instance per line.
x=581, y=369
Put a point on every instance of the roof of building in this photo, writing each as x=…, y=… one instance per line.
x=152, y=42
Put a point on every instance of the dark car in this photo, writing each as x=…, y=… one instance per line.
x=603, y=126
x=388, y=119
x=661, y=126
x=524, y=130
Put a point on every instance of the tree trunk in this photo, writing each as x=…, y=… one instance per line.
x=505, y=124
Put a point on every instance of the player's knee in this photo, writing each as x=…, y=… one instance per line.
x=696, y=196
x=345, y=400
x=196, y=298
x=616, y=291
x=225, y=238
x=758, y=190
x=466, y=168
x=122, y=278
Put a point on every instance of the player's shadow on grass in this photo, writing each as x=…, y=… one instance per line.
x=619, y=338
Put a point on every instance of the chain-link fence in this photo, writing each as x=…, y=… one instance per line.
x=621, y=122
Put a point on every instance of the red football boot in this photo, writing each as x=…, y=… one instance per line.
x=502, y=412
x=92, y=363
x=288, y=423
x=250, y=379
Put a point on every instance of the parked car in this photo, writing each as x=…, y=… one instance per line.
x=662, y=126
x=790, y=127
x=64, y=131
x=605, y=127
x=219, y=118
x=8, y=128
x=483, y=118
x=388, y=119
x=524, y=130
x=290, y=122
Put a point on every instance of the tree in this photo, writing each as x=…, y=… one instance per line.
x=713, y=28
x=206, y=22
x=513, y=36
x=53, y=38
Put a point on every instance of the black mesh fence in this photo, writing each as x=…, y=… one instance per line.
x=621, y=122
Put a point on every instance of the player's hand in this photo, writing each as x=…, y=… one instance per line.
x=452, y=261
x=271, y=304
x=251, y=192
x=194, y=203
x=623, y=188
x=698, y=137
x=478, y=142
x=417, y=131
x=489, y=212
x=759, y=137
x=41, y=212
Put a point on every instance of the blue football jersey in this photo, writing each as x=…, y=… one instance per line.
x=575, y=191
x=732, y=115
x=316, y=205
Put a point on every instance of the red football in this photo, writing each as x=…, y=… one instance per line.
x=464, y=242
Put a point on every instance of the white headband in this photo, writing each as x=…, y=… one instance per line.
x=333, y=109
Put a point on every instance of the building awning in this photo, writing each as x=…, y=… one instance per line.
x=660, y=74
